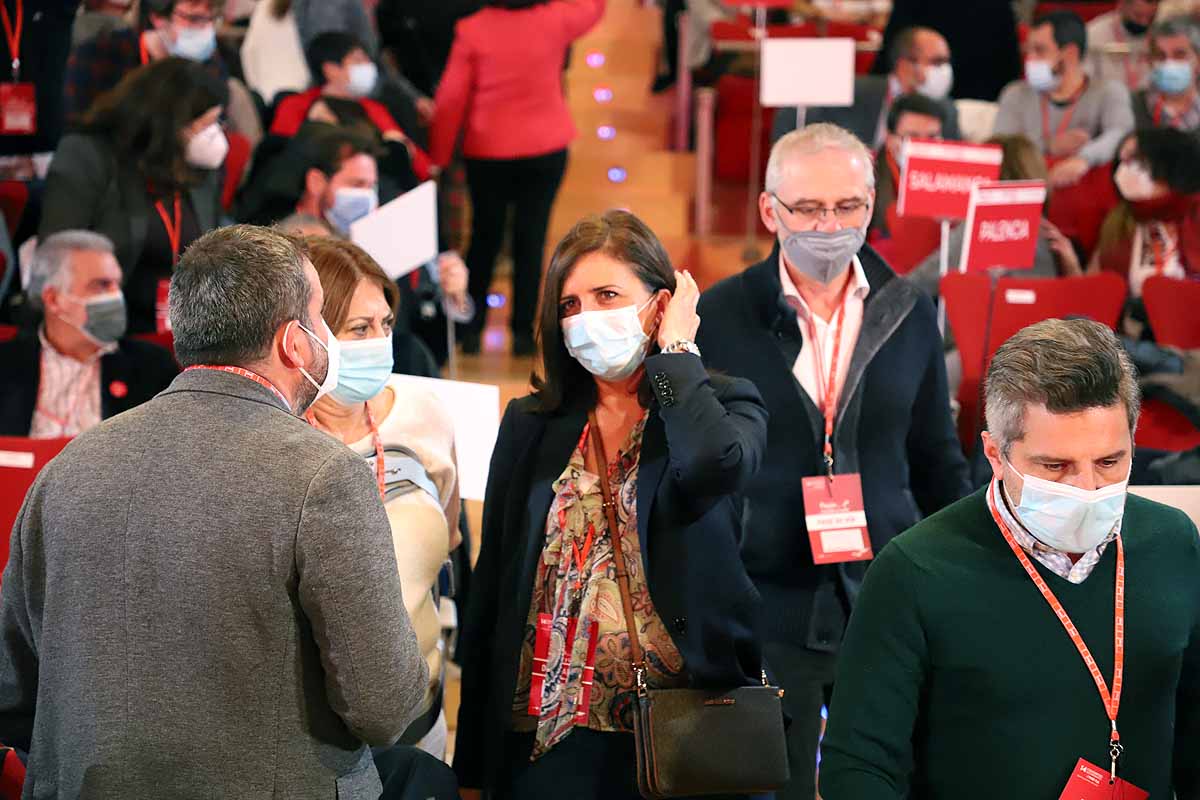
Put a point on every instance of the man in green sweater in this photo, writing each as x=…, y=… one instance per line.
x=1011, y=645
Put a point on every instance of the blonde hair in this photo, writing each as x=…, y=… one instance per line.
x=813, y=139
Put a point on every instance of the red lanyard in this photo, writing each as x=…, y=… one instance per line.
x=13, y=35
x=1161, y=251
x=580, y=554
x=1066, y=119
x=829, y=397
x=174, y=232
x=245, y=373
x=1158, y=112
x=1112, y=702
x=143, y=54
x=376, y=442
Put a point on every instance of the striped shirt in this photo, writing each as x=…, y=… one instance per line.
x=68, y=401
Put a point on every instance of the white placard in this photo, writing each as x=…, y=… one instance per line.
x=16, y=459
x=475, y=409
x=401, y=235
x=1020, y=297
x=807, y=72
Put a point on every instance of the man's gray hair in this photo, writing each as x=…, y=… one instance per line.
x=1178, y=26
x=231, y=291
x=297, y=223
x=52, y=261
x=1065, y=365
x=810, y=140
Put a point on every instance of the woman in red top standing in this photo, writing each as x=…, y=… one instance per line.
x=503, y=90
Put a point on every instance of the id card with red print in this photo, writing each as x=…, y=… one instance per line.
x=541, y=654
x=18, y=109
x=1089, y=782
x=162, y=306
x=836, y=519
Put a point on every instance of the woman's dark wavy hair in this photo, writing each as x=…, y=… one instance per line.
x=143, y=115
x=562, y=381
x=1173, y=157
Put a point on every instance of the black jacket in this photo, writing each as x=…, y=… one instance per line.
x=139, y=370
x=703, y=441
x=893, y=427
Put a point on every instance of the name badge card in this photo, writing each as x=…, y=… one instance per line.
x=936, y=177
x=18, y=109
x=836, y=519
x=1003, y=219
x=1089, y=782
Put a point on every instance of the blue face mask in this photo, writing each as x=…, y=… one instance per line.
x=196, y=44
x=366, y=365
x=1065, y=517
x=349, y=206
x=1172, y=77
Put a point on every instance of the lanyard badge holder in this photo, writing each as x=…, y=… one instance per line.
x=834, y=513
x=18, y=101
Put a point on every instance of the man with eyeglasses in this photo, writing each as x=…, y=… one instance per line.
x=179, y=28
x=920, y=60
x=849, y=361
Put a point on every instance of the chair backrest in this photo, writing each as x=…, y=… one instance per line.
x=8, y=332
x=1079, y=210
x=235, y=167
x=21, y=460
x=983, y=316
x=1171, y=306
x=165, y=340
x=14, y=196
x=913, y=240
x=976, y=119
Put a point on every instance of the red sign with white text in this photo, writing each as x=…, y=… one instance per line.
x=836, y=519
x=1002, y=225
x=1089, y=782
x=936, y=177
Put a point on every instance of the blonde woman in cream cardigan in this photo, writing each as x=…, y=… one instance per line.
x=371, y=410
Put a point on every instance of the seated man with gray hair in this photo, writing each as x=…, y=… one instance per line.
x=849, y=361
x=1041, y=636
x=1172, y=99
x=71, y=368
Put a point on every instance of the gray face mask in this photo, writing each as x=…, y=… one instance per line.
x=819, y=255
x=106, y=320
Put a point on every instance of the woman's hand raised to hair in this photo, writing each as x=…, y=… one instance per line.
x=680, y=321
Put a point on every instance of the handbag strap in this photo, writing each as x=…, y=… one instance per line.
x=622, y=565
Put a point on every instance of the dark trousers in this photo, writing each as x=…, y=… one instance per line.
x=807, y=679
x=587, y=765
x=670, y=30
x=527, y=186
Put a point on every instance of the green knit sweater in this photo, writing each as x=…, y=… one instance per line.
x=957, y=682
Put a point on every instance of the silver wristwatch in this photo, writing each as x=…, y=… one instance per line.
x=683, y=346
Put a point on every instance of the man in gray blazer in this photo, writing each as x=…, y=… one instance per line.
x=920, y=63
x=202, y=598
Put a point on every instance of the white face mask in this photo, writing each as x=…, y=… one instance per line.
x=194, y=44
x=332, y=347
x=1040, y=75
x=1135, y=182
x=609, y=344
x=363, y=77
x=938, y=81
x=208, y=148
x=1065, y=517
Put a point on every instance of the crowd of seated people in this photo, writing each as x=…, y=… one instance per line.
x=191, y=156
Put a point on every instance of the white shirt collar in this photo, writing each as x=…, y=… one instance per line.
x=859, y=288
x=47, y=346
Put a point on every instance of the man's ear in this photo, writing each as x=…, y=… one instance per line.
x=767, y=213
x=315, y=182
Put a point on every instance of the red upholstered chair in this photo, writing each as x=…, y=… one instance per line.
x=1086, y=9
x=912, y=240
x=1171, y=309
x=14, y=195
x=8, y=332
x=735, y=105
x=12, y=775
x=1079, y=210
x=20, y=461
x=236, y=161
x=984, y=315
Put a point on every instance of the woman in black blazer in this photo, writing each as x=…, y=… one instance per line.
x=145, y=172
x=681, y=444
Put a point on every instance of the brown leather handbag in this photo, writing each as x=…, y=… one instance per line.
x=693, y=741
